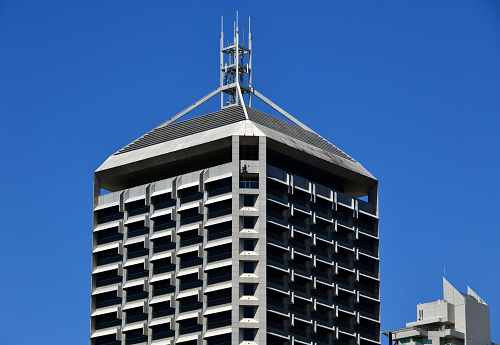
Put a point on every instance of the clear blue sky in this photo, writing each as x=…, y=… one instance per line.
x=411, y=89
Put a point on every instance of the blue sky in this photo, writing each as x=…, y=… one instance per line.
x=409, y=89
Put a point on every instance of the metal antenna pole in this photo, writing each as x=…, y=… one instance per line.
x=221, y=60
x=237, y=59
x=249, y=63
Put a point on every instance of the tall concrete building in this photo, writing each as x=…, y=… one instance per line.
x=234, y=227
x=458, y=319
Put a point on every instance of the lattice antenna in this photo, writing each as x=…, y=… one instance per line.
x=235, y=74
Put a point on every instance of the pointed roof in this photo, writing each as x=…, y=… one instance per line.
x=199, y=135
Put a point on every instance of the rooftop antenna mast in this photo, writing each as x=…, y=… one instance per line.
x=235, y=69
x=236, y=77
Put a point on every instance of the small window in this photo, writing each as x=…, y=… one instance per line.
x=429, y=341
x=248, y=245
x=248, y=289
x=248, y=223
x=248, y=312
x=249, y=267
x=248, y=334
x=249, y=200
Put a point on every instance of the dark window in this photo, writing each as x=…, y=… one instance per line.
x=248, y=312
x=137, y=207
x=109, y=215
x=219, y=320
x=248, y=223
x=248, y=289
x=249, y=182
x=248, y=334
x=249, y=200
x=249, y=267
x=248, y=245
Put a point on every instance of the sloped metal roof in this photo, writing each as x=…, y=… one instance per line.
x=225, y=117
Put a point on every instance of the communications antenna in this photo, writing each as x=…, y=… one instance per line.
x=236, y=77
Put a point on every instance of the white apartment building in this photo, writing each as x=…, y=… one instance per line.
x=458, y=319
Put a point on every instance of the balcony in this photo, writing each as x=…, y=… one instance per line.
x=163, y=312
x=164, y=248
x=219, y=257
x=276, y=239
x=164, y=226
x=190, y=241
x=137, y=296
x=219, y=191
x=215, y=234
x=218, y=301
x=137, y=275
x=219, y=279
x=137, y=318
x=163, y=291
x=108, y=238
x=275, y=305
x=108, y=281
x=190, y=329
x=108, y=324
x=275, y=282
x=220, y=213
x=108, y=303
x=191, y=284
x=111, y=260
x=191, y=262
x=134, y=232
x=164, y=334
x=191, y=219
x=164, y=268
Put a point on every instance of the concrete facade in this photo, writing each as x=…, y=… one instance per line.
x=458, y=319
x=188, y=249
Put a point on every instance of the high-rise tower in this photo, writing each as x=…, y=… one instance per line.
x=234, y=227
